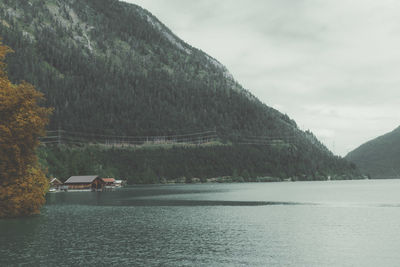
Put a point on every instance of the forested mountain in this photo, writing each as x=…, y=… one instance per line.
x=110, y=67
x=380, y=157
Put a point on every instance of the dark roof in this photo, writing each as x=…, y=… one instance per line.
x=81, y=179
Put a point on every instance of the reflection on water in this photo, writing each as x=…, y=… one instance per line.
x=353, y=223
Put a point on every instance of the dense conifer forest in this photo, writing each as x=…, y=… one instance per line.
x=241, y=163
x=109, y=67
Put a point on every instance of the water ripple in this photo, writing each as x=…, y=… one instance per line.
x=180, y=202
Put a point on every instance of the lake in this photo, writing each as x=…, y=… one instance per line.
x=337, y=223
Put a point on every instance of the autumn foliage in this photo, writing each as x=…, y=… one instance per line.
x=22, y=122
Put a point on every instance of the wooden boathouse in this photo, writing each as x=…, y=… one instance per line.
x=109, y=184
x=109, y=181
x=55, y=183
x=90, y=182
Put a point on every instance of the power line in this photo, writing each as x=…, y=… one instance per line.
x=127, y=136
x=61, y=136
x=198, y=137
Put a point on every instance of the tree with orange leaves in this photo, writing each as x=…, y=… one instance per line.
x=22, y=121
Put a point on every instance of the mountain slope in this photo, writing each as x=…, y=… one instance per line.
x=379, y=157
x=101, y=50
x=109, y=67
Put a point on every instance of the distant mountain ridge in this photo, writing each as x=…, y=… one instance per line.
x=112, y=68
x=380, y=157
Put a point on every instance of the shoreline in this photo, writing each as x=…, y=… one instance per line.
x=240, y=180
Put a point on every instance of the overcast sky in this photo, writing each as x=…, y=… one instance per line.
x=332, y=66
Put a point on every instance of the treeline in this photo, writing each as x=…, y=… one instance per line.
x=160, y=164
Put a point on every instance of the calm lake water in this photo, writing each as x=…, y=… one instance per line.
x=344, y=223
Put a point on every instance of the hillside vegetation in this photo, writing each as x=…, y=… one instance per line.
x=242, y=163
x=380, y=157
x=112, y=68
